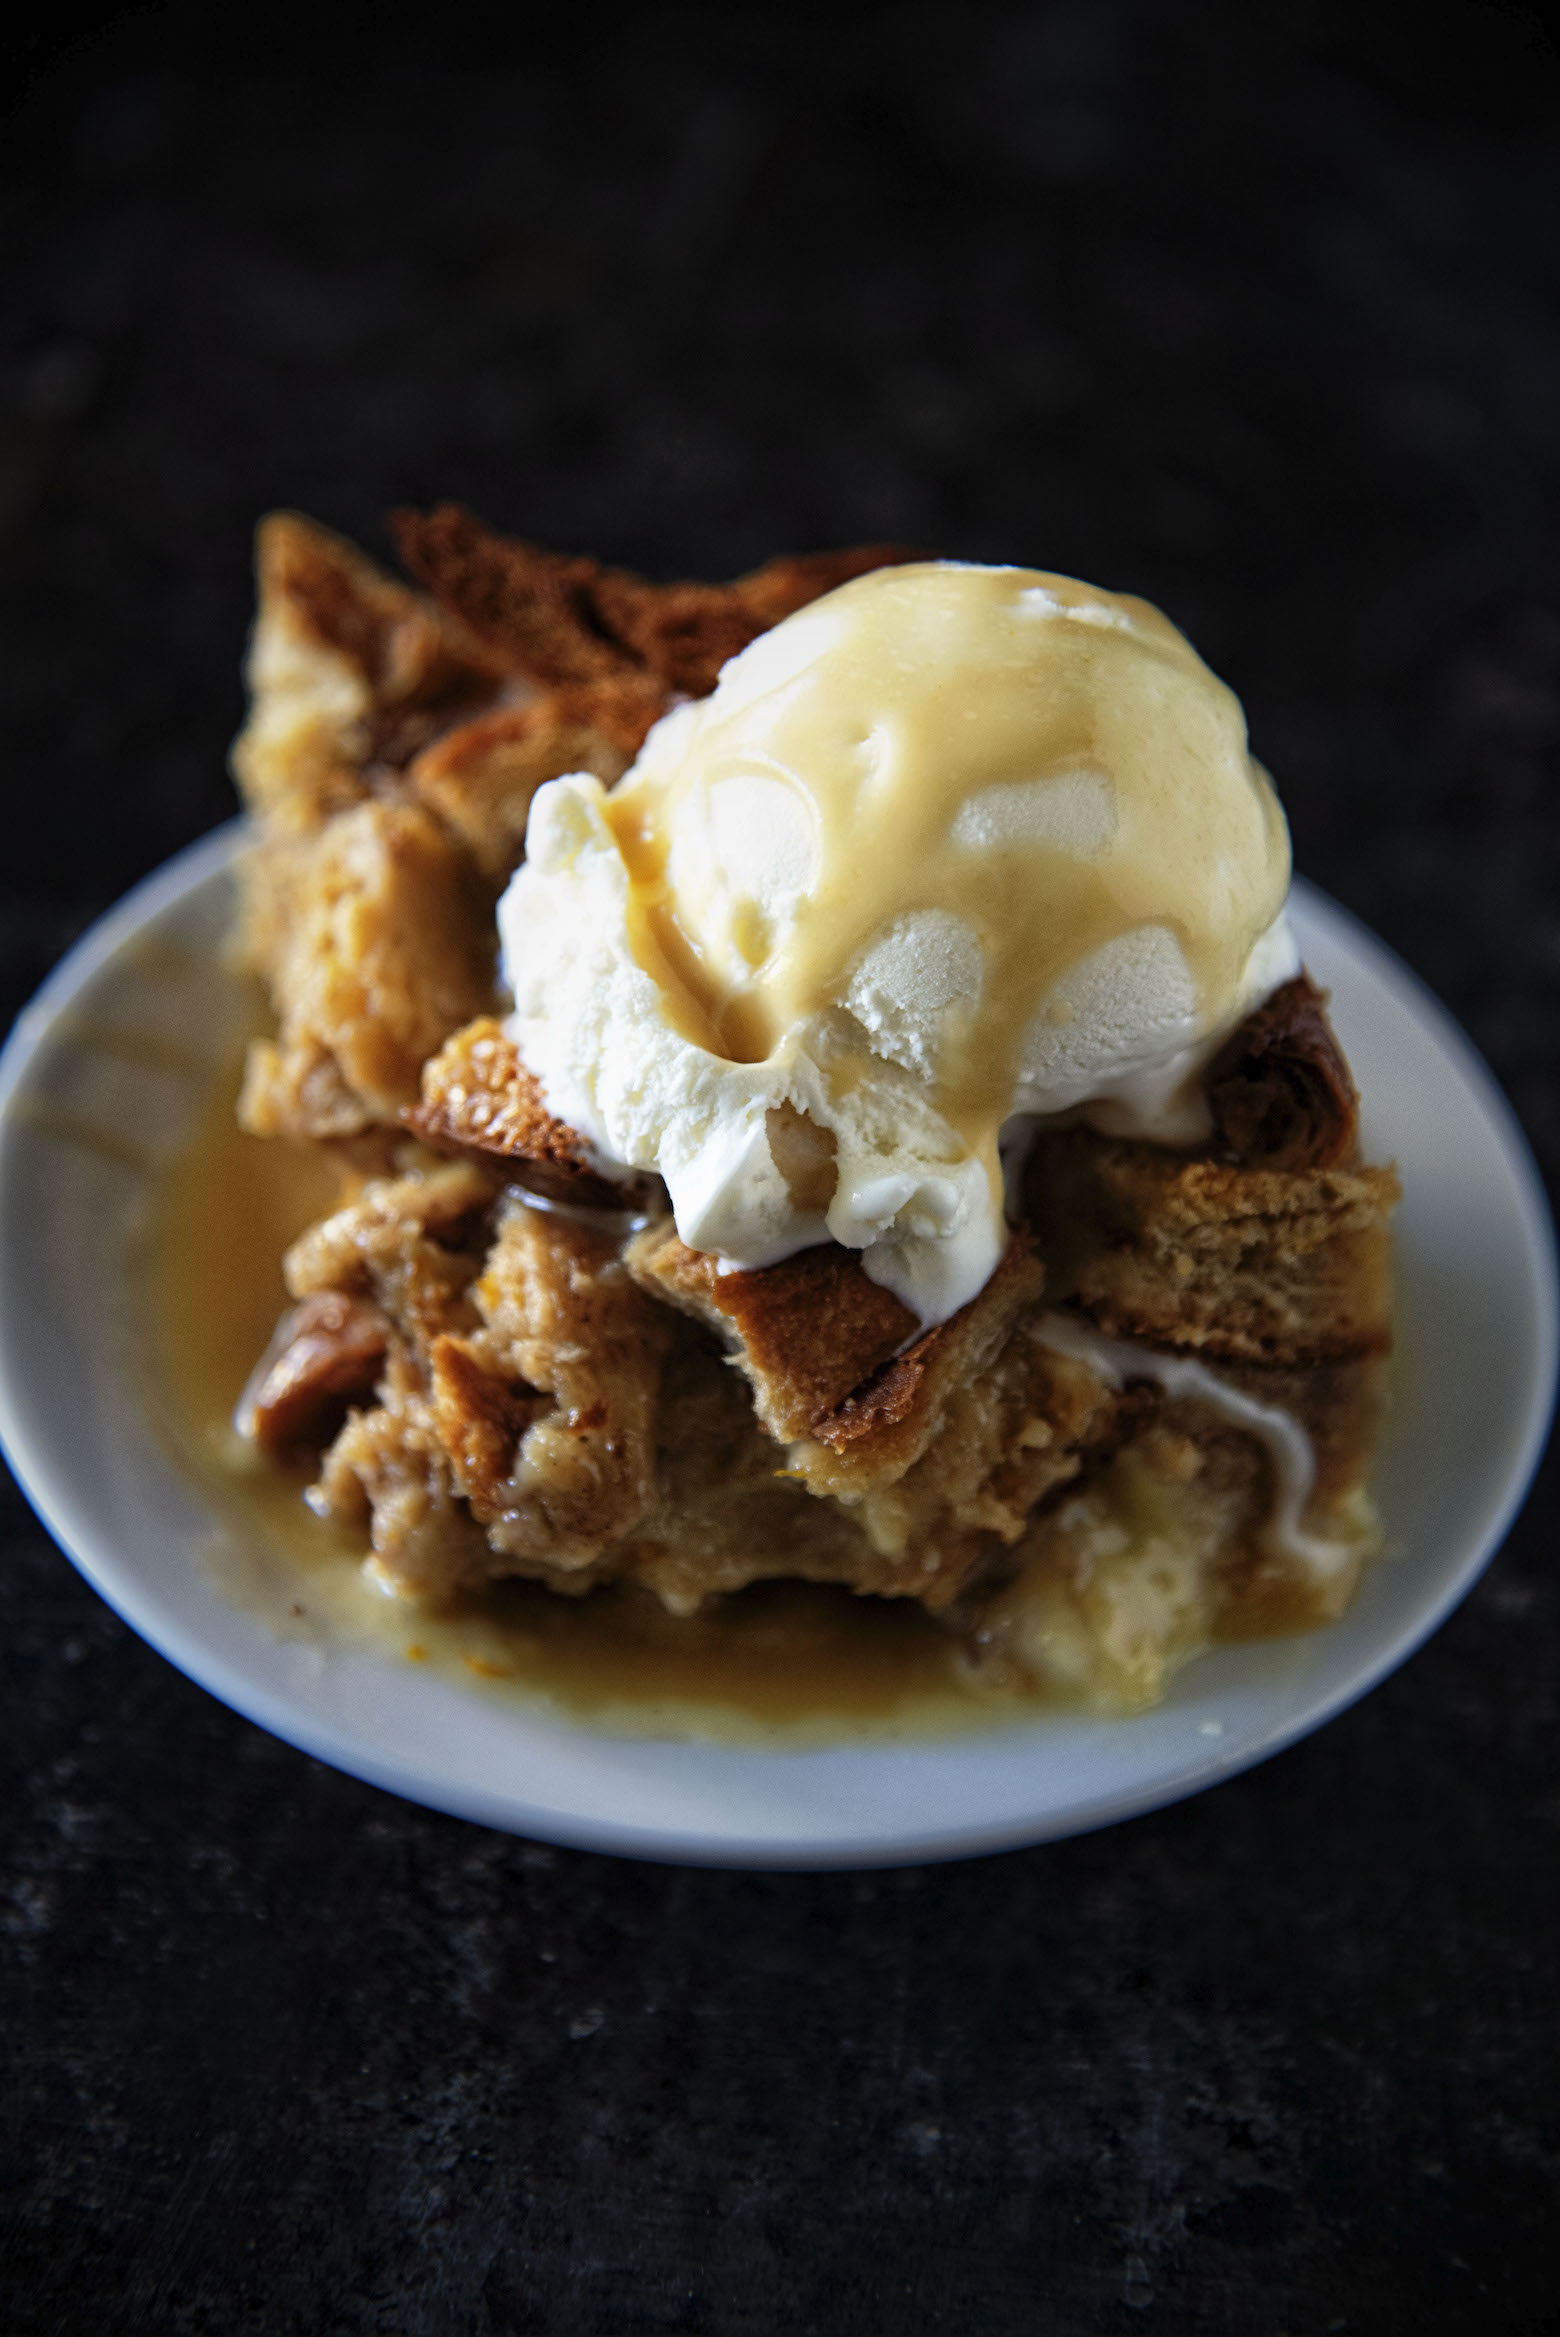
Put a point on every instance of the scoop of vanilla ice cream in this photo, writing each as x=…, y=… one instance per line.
x=951, y=848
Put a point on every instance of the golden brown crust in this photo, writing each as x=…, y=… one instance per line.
x=1238, y=1265
x=1280, y=1091
x=348, y=671
x=892, y=1411
x=479, y=1099
x=533, y=609
x=561, y=619
x=408, y=650
x=823, y=1347
x=685, y=633
x=809, y=1331
x=480, y=777
x=911, y=1411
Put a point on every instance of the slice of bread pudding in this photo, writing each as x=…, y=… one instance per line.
x=1150, y=1429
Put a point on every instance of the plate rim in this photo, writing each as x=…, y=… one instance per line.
x=48, y=1489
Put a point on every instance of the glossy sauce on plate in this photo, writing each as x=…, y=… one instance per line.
x=804, y=1661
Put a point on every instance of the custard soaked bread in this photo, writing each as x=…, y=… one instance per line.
x=1096, y=1402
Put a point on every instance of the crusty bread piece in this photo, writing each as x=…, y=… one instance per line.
x=1238, y=1265
x=480, y=1099
x=885, y=1426
x=1280, y=1093
x=684, y=633
x=561, y=619
x=347, y=669
x=372, y=936
x=801, y=1330
x=480, y=777
x=807, y=1332
x=390, y=757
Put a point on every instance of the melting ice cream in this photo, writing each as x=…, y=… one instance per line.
x=949, y=849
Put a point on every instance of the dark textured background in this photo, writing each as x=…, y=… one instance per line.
x=1251, y=309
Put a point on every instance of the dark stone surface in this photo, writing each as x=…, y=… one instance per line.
x=1249, y=309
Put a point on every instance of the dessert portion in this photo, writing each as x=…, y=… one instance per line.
x=948, y=853
x=823, y=1085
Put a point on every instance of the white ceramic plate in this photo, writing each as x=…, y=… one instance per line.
x=1477, y=1282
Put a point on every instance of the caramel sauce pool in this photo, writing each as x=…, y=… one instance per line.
x=781, y=1662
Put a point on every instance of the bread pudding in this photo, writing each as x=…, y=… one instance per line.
x=731, y=1225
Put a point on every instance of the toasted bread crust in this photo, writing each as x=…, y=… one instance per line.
x=392, y=750
x=808, y=1331
x=349, y=671
x=824, y=1349
x=685, y=633
x=1281, y=1094
x=407, y=649
x=480, y=777
x=890, y=1425
x=479, y=1099
x=898, y=1390
x=563, y=619
x=1238, y=1265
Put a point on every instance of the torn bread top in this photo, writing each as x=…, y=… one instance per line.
x=560, y=618
x=394, y=742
